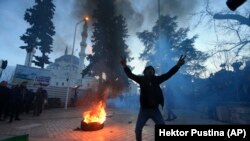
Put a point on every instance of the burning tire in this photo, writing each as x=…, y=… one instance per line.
x=91, y=126
x=94, y=118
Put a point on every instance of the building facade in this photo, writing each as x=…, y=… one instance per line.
x=66, y=70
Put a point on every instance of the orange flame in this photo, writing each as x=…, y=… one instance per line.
x=96, y=114
x=86, y=18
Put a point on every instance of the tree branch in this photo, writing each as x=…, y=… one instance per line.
x=239, y=47
x=239, y=18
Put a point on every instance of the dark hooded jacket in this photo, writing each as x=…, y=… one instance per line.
x=151, y=94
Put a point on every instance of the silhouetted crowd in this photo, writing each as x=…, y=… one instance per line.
x=18, y=99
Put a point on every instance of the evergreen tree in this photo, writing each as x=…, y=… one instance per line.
x=39, y=35
x=163, y=53
x=109, y=45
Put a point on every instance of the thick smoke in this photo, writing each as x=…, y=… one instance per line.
x=179, y=7
x=60, y=45
x=123, y=7
x=107, y=64
x=139, y=12
x=136, y=15
x=83, y=7
x=134, y=18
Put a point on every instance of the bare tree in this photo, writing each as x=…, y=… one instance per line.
x=232, y=30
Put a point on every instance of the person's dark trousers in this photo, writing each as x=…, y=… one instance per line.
x=18, y=110
x=35, y=113
x=6, y=110
x=12, y=114
x=143, y=116
x=1, y=108
x=27, y=107
x=40, y=108
x=15, y=111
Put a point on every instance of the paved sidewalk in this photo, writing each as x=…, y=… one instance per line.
x=59, y=125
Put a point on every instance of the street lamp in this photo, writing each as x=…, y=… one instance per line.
x=75, y=36
x=85, y=19
x=71, y=60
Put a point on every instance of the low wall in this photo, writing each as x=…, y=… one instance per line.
x=238, y=114
x=57, y=95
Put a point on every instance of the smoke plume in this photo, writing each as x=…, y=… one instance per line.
x=137, y=14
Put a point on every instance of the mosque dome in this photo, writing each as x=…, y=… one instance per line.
x=65, y=62
x=68, y=59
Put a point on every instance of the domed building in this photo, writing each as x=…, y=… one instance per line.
x=66, y=70
x=63, y=69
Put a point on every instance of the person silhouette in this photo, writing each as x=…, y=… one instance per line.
x=150, y=93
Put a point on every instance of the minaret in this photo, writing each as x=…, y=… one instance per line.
x=29, y=57
x=66, y=51
x=83, y=44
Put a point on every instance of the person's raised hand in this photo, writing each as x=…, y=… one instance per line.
x=181, y=61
